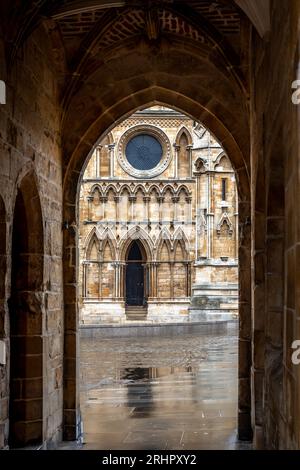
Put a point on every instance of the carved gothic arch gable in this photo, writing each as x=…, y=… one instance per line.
x=183, y=188
x=184, y=130
x=94, y=188
x=180, y=237
x=224, y=220
x=89, y=243
x=136, y=233
x=125, y=187
x=164, y=237
x=109, y=188
x=111, y=245
x=170, y=188
x=154, y=188
x=141, y=188
x=200, y=165
x=107, y=235
x=222, y=155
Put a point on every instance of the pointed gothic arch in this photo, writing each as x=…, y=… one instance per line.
x=184, y=131
x=179, y=236
x=93, y=234
x=136, y=233
x=223, y=158
x=26, y=311
x=225, y=220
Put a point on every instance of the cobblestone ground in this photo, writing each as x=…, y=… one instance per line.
x=175, y=392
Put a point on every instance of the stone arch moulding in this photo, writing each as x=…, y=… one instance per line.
x=183, y=130
x=238, y=150
x=224, y=220
x=178, y=236
x=107, y=236
x=200, y=165
x=136, y=233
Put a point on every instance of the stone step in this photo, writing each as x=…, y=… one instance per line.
x=136, y=313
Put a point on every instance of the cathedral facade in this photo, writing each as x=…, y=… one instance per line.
x=158, y=224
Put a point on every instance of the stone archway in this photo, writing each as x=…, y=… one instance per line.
x=134, y=78
x=71, y=401
x=25, y=314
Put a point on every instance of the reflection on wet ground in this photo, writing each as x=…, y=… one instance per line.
x=160, y=393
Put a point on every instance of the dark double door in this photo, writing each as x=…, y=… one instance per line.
x=135, y=292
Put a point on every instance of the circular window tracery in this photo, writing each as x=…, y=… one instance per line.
x=144, y=151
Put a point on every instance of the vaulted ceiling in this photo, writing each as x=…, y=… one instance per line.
x=106, y=51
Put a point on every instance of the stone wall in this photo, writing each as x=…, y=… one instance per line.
x=275, y=230
x=186, y=217
x=30, y=155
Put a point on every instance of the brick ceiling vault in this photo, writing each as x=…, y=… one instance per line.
x=90, y=37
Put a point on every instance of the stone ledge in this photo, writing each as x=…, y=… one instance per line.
x=143, y=329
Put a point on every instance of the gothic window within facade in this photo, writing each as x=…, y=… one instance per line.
x=160, y=185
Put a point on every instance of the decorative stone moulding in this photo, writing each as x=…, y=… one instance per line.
x=163, y=140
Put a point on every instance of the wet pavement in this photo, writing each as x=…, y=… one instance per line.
x=176, y=392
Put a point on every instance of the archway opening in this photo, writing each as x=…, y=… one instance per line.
x=25, y=314
x=158, y=229
x=135, y=278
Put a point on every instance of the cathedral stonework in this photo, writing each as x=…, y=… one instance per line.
x=158, y=224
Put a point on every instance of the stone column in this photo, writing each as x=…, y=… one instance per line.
x=175, y=200
x=120, y=285
x=89, y=199
x=132, y=200
x=177, y=149
x=197, y=174
x=100, y=280
x=188, y=279
x=188, y=200
x=236, y=218
x=210, y=215
x=160, y=200
x=150, y=267
x=117, y=200
x=153, y=280
x=189, y=149
x=115, y=265
x=111, y=148
x=146, y=200
x=172, y=280
x=98, y=161
x=103, y=199
x=84, y=279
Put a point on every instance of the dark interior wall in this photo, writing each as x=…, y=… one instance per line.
x=30, y=144
x=275, y=232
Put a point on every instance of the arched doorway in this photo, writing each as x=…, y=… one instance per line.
x=237, y=159
x=25, y=310
x=135, y=280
